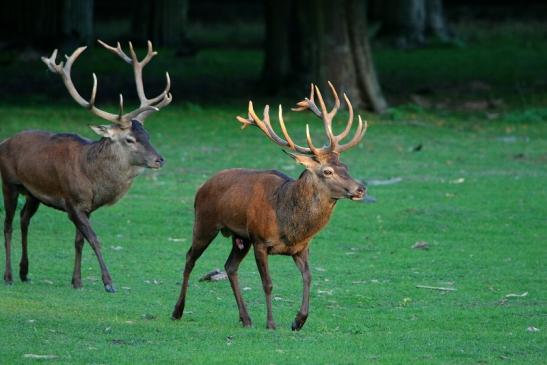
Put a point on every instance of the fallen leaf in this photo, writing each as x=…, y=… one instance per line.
x=517, y=295
x=116, y=248
x=40, y=357
x=172, y=239
x=457, y=181
x=421, y=245
x=532, y=329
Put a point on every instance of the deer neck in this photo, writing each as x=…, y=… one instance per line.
x=304, y=207
x=109, y=170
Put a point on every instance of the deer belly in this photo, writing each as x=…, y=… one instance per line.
x=47, y=199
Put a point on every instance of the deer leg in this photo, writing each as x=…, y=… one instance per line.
x=10, y=204
x=81, y=221
x=239, y=251
x=30, y=207
x=301, y=261
x=78, y=246
x=199, y=244
x=261, y=257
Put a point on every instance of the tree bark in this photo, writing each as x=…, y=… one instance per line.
x=78, y=21
x=276, y=66
x=328, y=42
x=164, y=22
x=411, y=22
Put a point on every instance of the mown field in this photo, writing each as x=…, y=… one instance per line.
x=470, y=180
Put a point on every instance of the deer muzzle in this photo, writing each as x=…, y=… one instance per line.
x=359, y=193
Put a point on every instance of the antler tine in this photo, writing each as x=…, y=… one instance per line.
x=359, y=134
x=308, y=104
x=336, y=106
x=121, y=107
x=345, y=132
x=116, y=50
x=266, y=128
x=314, y=150
x=327, y=118
x=291, y=144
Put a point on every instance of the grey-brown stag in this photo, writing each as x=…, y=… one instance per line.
x=270, y=211
x=76, y=175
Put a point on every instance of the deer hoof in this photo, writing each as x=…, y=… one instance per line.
x=246, y=323
x=271, y=326
x=25, y=278
x=8, y=279
x=177, y=314
x=109, y=288
x=77, y=284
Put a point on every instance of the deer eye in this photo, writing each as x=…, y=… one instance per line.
x=130, y=140
x=327, y=172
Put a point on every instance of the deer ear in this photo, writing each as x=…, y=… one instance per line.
x=103, y=130
x=308, y=161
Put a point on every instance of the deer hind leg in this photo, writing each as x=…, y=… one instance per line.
x=29, y=209
x=301, y=261
x=201, y=240
x=240, y=248
x=261, y=257
x=78, y=246
x=10, y=204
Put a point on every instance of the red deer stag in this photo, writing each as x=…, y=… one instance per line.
x=76, y=175
x=272, y=212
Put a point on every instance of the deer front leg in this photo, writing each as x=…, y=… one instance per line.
x=301, y=261
x=240, y=249
x=81, y=221
x=261, y=257
x=78, y=246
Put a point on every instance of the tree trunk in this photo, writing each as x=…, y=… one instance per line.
x=328, y=42
x=78, y=22
x=276, y=66
x=164, y=22
x=435, y=21
x=411, y=22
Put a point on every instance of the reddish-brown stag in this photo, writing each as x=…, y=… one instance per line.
x=76, y=175
x=270, y=211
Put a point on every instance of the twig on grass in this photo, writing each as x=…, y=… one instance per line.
x=435, y=288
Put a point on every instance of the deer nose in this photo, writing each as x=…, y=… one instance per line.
x=359, y=193
x=160, y=161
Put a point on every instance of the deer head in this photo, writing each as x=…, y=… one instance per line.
x=126, y=133
x=324, y=162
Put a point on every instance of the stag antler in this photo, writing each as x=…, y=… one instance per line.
x=309, y=104
x=147, y=106
x=159, y=101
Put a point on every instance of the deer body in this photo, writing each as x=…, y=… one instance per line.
x=76, y=175
x=61, y=169
x=266, y=207
x=271, y=212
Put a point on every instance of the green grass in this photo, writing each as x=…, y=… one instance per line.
x=475, y=192
x=487, y=238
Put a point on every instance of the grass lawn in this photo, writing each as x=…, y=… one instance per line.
x=475, y=192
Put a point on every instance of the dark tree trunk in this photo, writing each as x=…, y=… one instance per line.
x=164, y=22
x=276, y=66
x=411, y=22
x=78, y=22
x=328, y=41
